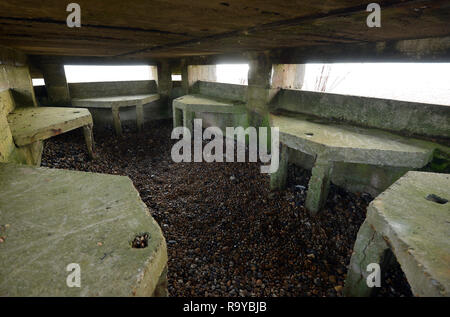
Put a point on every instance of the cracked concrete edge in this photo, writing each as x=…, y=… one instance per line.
x=419, y=277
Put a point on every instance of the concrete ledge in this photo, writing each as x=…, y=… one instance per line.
x=202, y=103
x=50, y=218
x=29, y=125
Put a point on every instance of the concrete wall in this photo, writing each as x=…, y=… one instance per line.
x=397, y=116
x=15, y=75
x=228, y=91
x=16, y=90
x=112, y=88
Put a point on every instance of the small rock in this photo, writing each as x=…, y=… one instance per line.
x=332, y=279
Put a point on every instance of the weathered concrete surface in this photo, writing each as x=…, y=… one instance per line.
x=394, y=115
x=52, y=217
x=203, y=103
x=115, y=103
x=278, y=179
x=328, y=142
x=370, y=247
x=56, y=84
x=354, y=177
x=288, y=76
x=207, y=28
x=342, y=142
x=319, y=184
x=165, y=84
x=29, y=154
x=415, y=228
x=112, y=88
x=111, y=101
x=16, y=89
x=200, y=73
x=190, y=106
x=29, y=125
x=103, y=118
x=15, y=75
x=221, y=90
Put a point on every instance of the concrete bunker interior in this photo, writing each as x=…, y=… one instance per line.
x=87, y=176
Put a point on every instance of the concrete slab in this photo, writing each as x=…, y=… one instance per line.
x=202, y=103
x=32, y=124
x=413, y=218
x=328, y=142
x=50, y=218
x=346, y=143
x=111, y=101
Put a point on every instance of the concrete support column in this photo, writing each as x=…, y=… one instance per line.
x=140, y=116
x=318, y=185
x=184, y=77
x=165, y=81
x=288, y=76
x=278, y=179
x=56, y=84
x=370, y=247
x=116, y=120
x=188, y=120
x=259, y=89
x=89, y=139
x=177, y=117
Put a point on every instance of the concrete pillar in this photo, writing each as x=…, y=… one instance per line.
x=370, y=247
x=177, y=117
x=184, y=77
x=89, y=139
x=318, y=185
x=140, y=116
x=164, y=81
x=116, y=120
x=188, y=120
x=259, y=92
x=56, y=84
x=288, y=76
x=278, y=179
x=259, y=76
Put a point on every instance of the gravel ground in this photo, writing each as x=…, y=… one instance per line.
x=227, y=235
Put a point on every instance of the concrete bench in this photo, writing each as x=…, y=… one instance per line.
x=185, y=107
x=330, y=142
x=32, y=124
x=115, y=103
x=412, y=219
x=50, y=218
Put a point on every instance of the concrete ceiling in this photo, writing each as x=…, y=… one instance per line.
x=176, y=28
